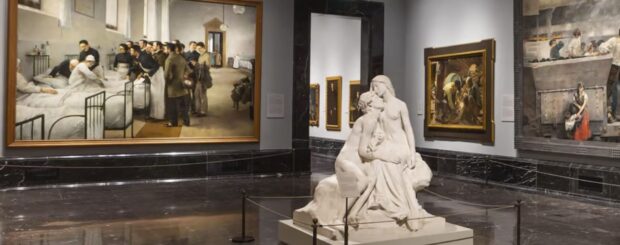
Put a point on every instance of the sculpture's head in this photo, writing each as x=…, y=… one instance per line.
x=380, y=84
x=370, y=101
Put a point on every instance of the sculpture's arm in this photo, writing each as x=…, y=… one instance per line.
x=367, y=128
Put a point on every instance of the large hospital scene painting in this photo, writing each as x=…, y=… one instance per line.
x=571, y=59
x=135, y=70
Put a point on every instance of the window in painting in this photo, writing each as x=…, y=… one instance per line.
x=31, y=3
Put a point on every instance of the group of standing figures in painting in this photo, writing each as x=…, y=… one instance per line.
x=178, y=79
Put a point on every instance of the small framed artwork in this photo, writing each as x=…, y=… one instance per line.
x=459, y=92
x=85, y=7
x=333, y=91
x=314, y=111
x=354, y=97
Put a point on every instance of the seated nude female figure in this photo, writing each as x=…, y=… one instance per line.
x=391, y=153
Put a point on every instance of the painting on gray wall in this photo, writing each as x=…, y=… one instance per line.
x=314, y=108
x=141, y=72
x=459, y=92
x=567, y=79
x=333, y=97
x=355, y=89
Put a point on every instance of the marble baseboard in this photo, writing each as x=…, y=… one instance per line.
x=569, y=178
x=25, y=172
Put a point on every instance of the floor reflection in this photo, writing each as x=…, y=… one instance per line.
x=176, y=230
x=207, y=212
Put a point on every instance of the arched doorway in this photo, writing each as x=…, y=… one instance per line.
x=215, y=39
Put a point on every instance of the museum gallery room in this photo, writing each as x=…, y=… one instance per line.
x=293, y=122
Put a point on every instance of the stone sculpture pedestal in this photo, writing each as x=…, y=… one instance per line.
x=437, y=231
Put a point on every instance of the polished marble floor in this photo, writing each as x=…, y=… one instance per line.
x=207, y=212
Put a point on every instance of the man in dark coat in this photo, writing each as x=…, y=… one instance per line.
x=158, y=54
x=146, y=62
x=192, y=54
x=175, y=70
x=64, y=68
x=86, y=50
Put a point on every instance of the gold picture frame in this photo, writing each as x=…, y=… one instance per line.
x=314, y=105
x=333, y=98
x=459, y=92
x=355, y=90
x=12, y=125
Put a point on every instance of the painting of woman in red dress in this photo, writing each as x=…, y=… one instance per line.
x=582, y=130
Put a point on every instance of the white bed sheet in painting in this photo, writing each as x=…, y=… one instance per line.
x=67, y=128
x=243, y=62
x=71, y=101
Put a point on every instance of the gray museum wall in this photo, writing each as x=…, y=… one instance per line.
x=432, y=23
x=394, y=42
x=277, y=70
x=239, y=38
x=335, y=50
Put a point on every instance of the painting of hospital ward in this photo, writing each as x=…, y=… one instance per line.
x=571, y=66
x=136, y=70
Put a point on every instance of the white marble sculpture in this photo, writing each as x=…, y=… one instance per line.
x=380, y=153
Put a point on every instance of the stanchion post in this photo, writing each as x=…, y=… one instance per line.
x=314, y=231
x=346, y=221
x=518, y=206
x=243, y=238
x=486, y=171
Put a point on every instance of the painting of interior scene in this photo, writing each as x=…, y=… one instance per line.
x=457, y=86
x=142, y=69
x=571, y=55
x=333, y=102
x=314, y=106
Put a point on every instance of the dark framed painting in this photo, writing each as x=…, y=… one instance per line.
x=354, y=96
x=459, y=92
x=62, y=91
x=314, y=106
x=85, y=7
x=566, y=82
x=333, y=97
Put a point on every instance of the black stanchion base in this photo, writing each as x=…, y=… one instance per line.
x=242, y=239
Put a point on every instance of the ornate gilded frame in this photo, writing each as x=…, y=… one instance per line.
x=315, y=88
x=338, y=107
x=478, y=133
x=355, y=90
x=11, y=93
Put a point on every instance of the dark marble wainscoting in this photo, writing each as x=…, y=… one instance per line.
x=26, y=172
x=327, y=147
x=591, y=181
